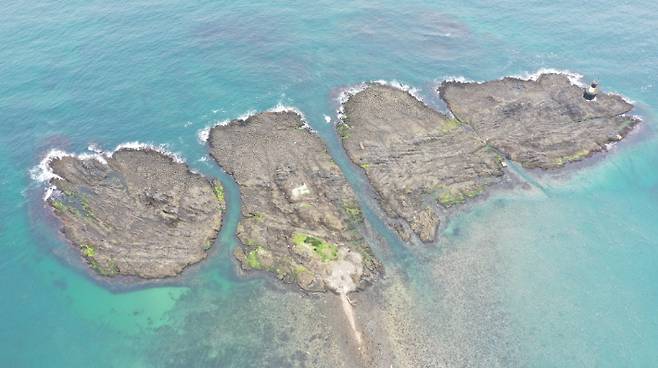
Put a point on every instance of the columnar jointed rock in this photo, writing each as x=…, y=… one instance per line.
x=139, y=213
x=544, y=123
x=298, y=212
x=414, y=156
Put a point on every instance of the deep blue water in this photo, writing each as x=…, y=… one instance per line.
x=574, y=260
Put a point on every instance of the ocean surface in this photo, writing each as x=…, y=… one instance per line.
x=561, y=272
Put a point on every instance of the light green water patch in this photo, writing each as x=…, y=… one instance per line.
x=130, y=312
x=582, y=257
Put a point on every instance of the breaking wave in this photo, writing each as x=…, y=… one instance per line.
x=345, y=94
x=576, y=79
x=43, y=172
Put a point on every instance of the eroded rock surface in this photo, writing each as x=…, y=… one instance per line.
x=414, y=156
x=544, y=123
x=299, y=215
x=137, y=213
x=418, y=159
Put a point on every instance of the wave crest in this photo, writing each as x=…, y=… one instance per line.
x=43, y=172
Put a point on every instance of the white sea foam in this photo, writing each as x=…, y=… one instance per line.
x=575, y=78
x=139, y=146
x=48, y=192
x=203, y=135
x=247, y=115
x=401, y=86
x=284, y=108
x=626, y=99
x=43, y=172
x=638, y=117
x=94, y=148
x=344, y=95
x=460, y=79
x=347, y=93
x=327, y=119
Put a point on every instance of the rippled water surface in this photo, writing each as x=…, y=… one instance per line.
x=560, y=273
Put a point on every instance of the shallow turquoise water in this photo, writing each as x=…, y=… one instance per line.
x=575, y=257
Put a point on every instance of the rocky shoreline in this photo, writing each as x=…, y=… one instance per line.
x=135, y=212
x=142, y=213
x=300, y=217
x=543, y=123
x=421, y=162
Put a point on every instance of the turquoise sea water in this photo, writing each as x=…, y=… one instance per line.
x=571, y=263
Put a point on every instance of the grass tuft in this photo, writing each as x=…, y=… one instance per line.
x=88, y=250
x=343, y=130
x=218, y=189
x=253, y=259
x=325, y=251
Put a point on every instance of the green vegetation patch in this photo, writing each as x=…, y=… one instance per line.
x=450, y=125
x=207, y=245
x=88, y=250
x=218, y=189
x=353, y=211
x=299, y=269
x=343, y=130
x=58, y=205
x=111, y=270
x=253, y=258
x=326, y=251
x=450, y=197
x=74, y=203
x=84, y=203
x=579, y=155
x=364, y=165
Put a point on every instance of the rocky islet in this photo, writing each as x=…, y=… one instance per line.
x=419, y=160
x=300, y=218
x=135, y=212
x=142, y=213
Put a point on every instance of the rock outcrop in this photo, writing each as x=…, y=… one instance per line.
x=299, y=215
x=543, y=123
x=418, y=159
x=137, y=212
x=415, y=157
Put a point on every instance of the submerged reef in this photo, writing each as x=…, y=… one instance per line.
x=135, y=212
x=419, y=160
x=300, y=218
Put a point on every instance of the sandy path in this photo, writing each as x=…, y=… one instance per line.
x=349, y=313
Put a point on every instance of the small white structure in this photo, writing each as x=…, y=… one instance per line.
x=300, y=191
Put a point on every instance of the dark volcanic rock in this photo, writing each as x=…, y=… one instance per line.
x=414, y=156
x=139, y=213
x=544, y=123
x=417, y=158
x=299, y=215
